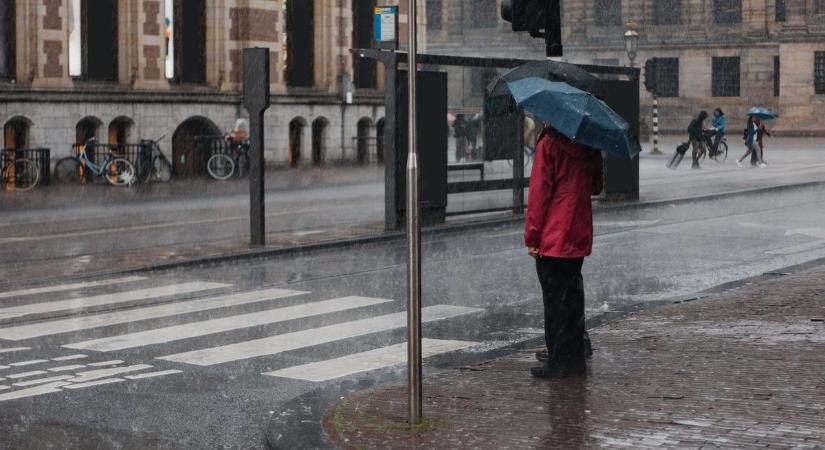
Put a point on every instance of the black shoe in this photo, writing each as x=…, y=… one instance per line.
x=556, y=371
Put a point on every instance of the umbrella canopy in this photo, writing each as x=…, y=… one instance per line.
x=577, y=115
x=762, y=113
x=549, y=70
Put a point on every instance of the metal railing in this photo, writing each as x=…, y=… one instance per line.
x=40, y=156
x=207, y=146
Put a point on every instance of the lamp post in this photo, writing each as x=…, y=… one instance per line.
x=631, y=43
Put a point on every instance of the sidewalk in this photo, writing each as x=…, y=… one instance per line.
x=740, y=370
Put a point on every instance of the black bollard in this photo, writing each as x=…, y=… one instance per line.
x=256, y=101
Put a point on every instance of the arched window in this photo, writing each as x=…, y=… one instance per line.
x=300, y=43
x=93, y=38
x=16, y=133
x=7, y=39
x=319, y=137
x=362, y=29
x=379, y=140
x=296, y=138
x=185, y=35
x=362, y=145
x=87, y=128
x=187, y=161
x=120, y=130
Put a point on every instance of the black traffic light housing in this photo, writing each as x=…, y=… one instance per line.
x=651, y=66
x=541, y=18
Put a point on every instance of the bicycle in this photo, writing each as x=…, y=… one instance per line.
x=117, y=171
x=222, y=166
x=721, y=151
x=151, y=163
x=23, y=171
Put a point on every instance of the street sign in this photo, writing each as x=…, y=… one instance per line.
x=385, y=26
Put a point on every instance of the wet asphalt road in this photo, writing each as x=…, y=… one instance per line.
x=480, y=282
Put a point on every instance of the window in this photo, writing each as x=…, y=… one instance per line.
x=365, y=76
x=16, y=133
x=819, y=6
x=480, y=13
x=667, y=77
x=819, y=72
x=435, y=17
x=607, y=12
x=727, y=11
x=300, y=43
x=93, y=37
x=780, y=11
x=185, y=37
x=7, y=39
x=776, y=76
x=667, y=12
x=725, y=82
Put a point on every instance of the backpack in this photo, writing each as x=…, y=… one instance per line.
x=683, y=148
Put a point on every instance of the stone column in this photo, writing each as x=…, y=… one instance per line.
x=51, y=59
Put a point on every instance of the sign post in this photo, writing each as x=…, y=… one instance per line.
x=413, y=232
x=256, y=101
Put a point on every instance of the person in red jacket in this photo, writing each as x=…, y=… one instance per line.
x=558, y=233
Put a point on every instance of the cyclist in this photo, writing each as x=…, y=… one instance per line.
x=696, y=131
x=717, y=131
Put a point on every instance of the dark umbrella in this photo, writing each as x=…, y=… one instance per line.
x=762, y=113
x=577, y=114
x=549, y=70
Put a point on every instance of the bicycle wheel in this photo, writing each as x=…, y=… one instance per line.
x=220, y=166
x=119, y=172
x=67, y=170
x=241, y=165
x=26, y=174
x=722, y=152
x=161, y=169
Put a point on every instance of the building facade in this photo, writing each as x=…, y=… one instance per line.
x=732, y=54
x=124, y=70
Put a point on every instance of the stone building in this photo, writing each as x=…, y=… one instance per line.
x=124, y=70
x=732, y=54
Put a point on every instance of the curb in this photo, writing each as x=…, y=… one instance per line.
x=393, y=235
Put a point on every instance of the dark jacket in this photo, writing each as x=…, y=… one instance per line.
x=559, y=213
x=696, y=126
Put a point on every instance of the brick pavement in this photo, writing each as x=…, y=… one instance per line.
x=744, y=369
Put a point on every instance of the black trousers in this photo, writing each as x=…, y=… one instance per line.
x=562, y=289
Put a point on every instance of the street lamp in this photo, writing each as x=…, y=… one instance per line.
x=631, y=43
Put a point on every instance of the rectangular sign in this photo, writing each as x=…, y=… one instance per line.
x=385, y=25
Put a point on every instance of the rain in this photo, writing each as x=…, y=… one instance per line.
x=207, y=239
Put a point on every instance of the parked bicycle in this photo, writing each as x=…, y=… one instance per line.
x=117, y=171
x=23, y=171
x=152, y=165
x=234, y=162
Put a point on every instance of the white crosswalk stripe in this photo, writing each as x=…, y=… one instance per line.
x=301, y=339
x=53, y=327
x=69, y=287
x=365, y=361
x=223, y=324
x=113, y=332
x=107, y=299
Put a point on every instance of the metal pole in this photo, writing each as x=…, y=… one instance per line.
x=655, y=150
x=413, y=233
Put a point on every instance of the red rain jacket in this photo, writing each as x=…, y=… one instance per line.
x=559, y=213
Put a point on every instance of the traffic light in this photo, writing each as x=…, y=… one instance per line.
x=650, y=74
x=541, y=18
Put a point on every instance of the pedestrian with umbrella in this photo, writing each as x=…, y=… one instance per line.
x=567, y=171
x=754, y=132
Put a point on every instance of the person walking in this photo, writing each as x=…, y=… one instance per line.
x=718, y=125
x=558, y=233
x=751, y=131
x=760, y=133
x=696, y=131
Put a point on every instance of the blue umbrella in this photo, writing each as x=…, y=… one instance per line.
x=576, y=114
x=762, y=113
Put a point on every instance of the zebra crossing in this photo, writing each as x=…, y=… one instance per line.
x=182, y=326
